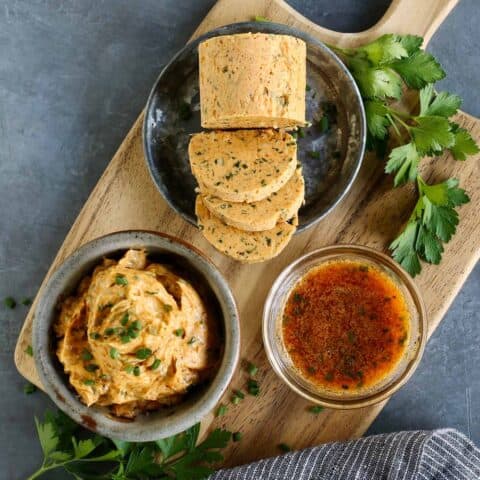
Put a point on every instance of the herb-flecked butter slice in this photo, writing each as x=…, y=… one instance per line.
x=262, y=215
x=246, y=247
x=242, y=165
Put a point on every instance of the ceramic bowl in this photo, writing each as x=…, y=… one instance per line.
x=166, y=421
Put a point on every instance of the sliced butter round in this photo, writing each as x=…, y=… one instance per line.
x=252, y=80
x=242, y=165
x=264, y=214
x=246, y=247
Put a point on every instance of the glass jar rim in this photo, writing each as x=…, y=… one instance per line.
x=271, y=342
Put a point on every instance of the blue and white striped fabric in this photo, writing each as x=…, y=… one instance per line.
x=423, y=455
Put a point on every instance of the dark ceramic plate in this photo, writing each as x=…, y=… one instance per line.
x=173, y=114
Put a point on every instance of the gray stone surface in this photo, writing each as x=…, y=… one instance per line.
x=73, y=77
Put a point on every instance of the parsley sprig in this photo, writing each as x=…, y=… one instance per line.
x=85, y=455
x=382, y=70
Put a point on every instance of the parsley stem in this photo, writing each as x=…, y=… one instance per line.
x=394, y=125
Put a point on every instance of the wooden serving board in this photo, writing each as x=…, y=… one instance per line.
x=372, y=214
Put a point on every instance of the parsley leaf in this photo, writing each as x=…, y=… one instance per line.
x=403, y=160
x=377, y=120
x=442, y=104
x=86, y=454
x=384, y=49
x=418, y=69
x=432, y=134
x=432, y=223
x=463, y=143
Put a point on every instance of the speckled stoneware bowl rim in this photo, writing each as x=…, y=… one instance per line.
x=386, y=263
x=260, y=27
x=66, y=277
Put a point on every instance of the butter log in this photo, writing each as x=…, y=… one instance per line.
x=252, y=80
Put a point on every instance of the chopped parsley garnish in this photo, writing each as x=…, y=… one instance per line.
x=143, y=353
x=252, y=369
x=315, y=409
x=323, y=124
x=26, y=301
x=91, y=367
x=167, y=308
x=237, y=436
x=253, y=388
x=29, y=388
x=129, y=368
x=124, y=319
x=192, y=341
x=114, y=353
x=156, y=363
x=10, y=303
x=86, y=355
x=179, y=332
x=284, y=447
x=109, y=331
x=136, y=325
x=121, y=279
x=136, y=370
x=221, y=410
x=95, y=335
x=29, y=350
x=301, y=133
x=125, y=338
x=89, y=382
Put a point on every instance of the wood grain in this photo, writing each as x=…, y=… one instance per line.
x=372, y=213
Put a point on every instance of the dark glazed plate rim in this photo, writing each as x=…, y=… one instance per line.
x=256, y=27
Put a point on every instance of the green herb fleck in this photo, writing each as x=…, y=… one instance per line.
x=221, y=410
x=91, y=367
x=121, y=279
x=156, y=363
x=167, y=308
x=192, y=341
x=29, y=350
x=143, y=353
x=259, y=18
x=237, y=436
x=95, y=335
x=86, y=355
x=29, y=388
x=252, y=369
x=27, y=301
x=313, y=154
x=124, y=319
x=10, y=303
x=136, y=370
x=253, y=388
x=315, y=409
x=114, y=353
x=323, y=124
x=179, y=332
x=89, y=382
x=284, y=447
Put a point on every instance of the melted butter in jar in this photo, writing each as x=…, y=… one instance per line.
x=346, y=325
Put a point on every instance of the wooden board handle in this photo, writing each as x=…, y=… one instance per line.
x=418, y=17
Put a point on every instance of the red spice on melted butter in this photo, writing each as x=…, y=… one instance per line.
x=345, y=325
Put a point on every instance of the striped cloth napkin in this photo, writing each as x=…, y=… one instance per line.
x=424, y=455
